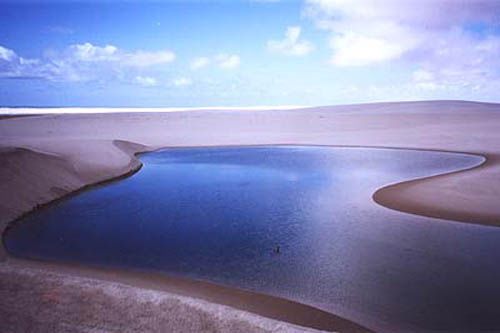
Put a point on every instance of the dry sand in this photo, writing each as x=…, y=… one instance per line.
x=43, y=158
x=171, y=288
x=62, y=299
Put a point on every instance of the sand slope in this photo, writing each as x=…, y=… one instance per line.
x=29, y=178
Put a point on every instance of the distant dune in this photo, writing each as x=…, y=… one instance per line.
x=79, y=110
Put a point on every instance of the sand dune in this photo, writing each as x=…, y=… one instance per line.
x=46, y=157
x=86, y=143
x=30, y=178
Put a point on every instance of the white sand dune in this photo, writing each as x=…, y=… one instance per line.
x=86, y=142
x=45, y=157
x=83, y=110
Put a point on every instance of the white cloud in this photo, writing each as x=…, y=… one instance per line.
x=222, y=60
x=199, y=63
x=146, y=81
x=84, y=62
x=428, y=14
x=433, y=40
x=291, y=45
x=110, y=53
x=422, y=75
x=147, y=59
x=425, y=80
x=371, y=32
x=227, y=61
x=358, y=50
x=182, y=81
x=89, y=52
x=364, y=32
x=7, y=54
x=14, y=66
x=459, y=61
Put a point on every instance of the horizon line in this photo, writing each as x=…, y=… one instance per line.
x=34, y=110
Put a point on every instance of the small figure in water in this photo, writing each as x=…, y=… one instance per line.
x=277, y=249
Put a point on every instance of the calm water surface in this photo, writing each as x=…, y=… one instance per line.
x=218, y=213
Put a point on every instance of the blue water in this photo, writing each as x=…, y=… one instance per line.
x=218, y=214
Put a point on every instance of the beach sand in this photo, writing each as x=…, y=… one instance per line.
x=73, y=298
x=43, y=158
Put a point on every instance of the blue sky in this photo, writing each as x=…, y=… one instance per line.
x=227, y=53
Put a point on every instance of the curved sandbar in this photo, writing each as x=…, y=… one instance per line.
x=417, y=196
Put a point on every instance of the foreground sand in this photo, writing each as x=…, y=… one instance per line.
x=65, y=299
x=45, y=297
x=43, y=158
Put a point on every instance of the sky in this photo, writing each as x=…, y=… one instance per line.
x=247, y=53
